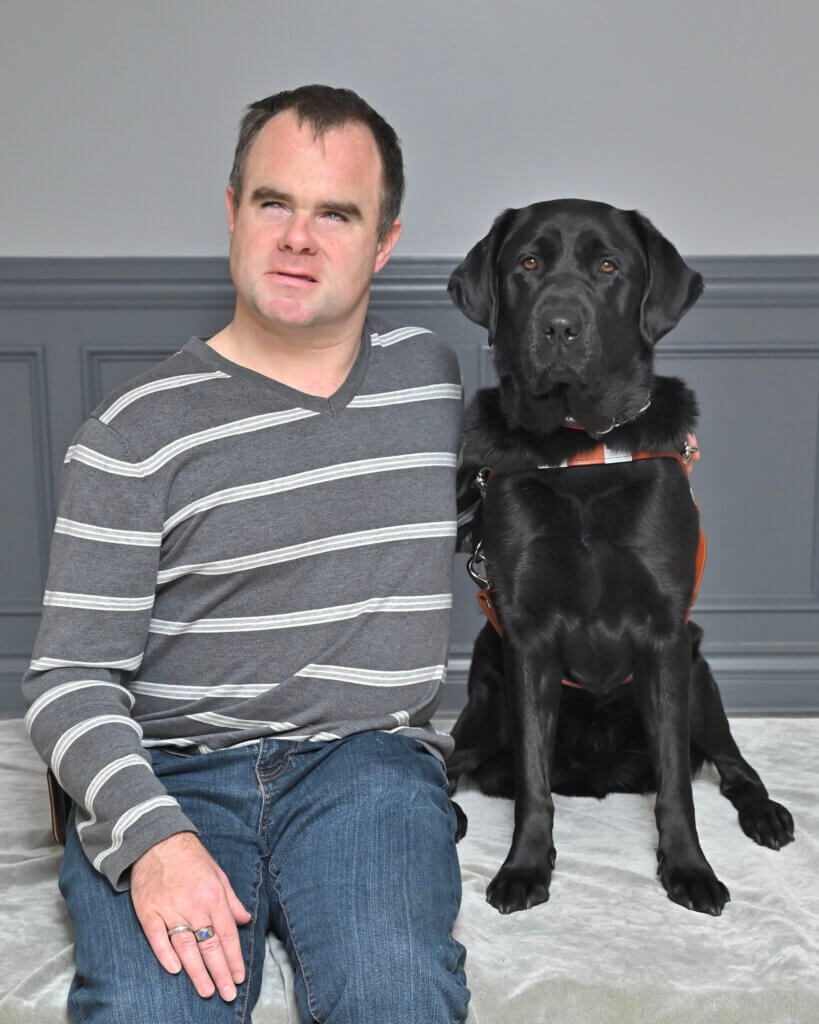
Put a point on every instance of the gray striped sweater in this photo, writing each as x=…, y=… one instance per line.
x=234, y=559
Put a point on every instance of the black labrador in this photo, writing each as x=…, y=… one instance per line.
x=591, y=569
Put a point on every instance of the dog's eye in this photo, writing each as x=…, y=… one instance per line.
x=608, y=266
x=529, y=263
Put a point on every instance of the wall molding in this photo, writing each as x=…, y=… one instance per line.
x=204, y=282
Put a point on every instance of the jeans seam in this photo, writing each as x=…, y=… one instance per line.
x=302, y=968
x=251, y=958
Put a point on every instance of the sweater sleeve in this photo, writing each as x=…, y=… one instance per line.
x=96, y=614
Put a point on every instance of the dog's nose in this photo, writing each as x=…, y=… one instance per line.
x=563, y=329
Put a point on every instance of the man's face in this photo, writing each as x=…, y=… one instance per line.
x=303, y=241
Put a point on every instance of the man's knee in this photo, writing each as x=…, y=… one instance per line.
x=412, y=982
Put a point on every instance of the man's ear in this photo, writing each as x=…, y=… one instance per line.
x=230, y=208
x=672, y=287
x=473, y=284
x=386, y=246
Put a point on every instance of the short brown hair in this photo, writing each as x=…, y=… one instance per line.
x=326, y=107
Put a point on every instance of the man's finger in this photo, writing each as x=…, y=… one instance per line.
x=186, y=947
x=213, y=953
x=157, y=935
x=225, y=928
x=237, y=908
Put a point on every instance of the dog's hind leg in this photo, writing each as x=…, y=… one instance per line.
x=765, y=821
x=482, y=727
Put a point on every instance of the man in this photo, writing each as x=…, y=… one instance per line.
x=245, y=624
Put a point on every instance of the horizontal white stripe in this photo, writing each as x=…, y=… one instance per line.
x=99, y=602
x=99, y=780
x=310, y=617
x=205, y=749
x=166, y=384
x=106, y=535
x=337, y=471
x=403, y=728
x=295, y=737
x=339, y=542
x=420, y=394
x=128, y=819
x=214, y=718
x=60, y=691
x=399, y=334
x=177, y=742
x=127, y=664
x=291, y=738
x=80, y=729
x=181, y=692
x=81, y=453
x=371, y=677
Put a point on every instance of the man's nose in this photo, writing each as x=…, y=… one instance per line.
x=297, y=235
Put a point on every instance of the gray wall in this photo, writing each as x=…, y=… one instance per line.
x=74, y=329
x=118, y=119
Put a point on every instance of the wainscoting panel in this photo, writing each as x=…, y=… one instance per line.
x=72, y=330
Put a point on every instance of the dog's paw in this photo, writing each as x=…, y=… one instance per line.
x=696, y=888
x=461, y=822
x=520, y=888
x=767, y=823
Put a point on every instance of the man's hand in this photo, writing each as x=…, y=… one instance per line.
x=178, y=882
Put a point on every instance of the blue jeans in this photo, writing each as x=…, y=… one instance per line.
x=345, y=849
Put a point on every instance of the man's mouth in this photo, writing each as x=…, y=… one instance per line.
x=292, y=277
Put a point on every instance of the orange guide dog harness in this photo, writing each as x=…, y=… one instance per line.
x=597, y=456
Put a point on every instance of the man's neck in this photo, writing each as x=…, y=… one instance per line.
x=307, y=360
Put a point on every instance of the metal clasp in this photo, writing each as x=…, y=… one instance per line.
x=474, y=558
x=687, y=452
x=480, y=480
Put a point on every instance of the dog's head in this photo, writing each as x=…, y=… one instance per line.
x=574, y=295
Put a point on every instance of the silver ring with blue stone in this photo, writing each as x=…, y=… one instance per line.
x=204, y=933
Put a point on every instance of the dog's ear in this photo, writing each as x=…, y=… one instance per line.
x=473, y=284
x=672, y=287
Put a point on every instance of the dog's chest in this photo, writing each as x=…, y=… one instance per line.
x=579, y=556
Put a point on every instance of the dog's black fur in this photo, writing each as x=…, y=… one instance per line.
x=591, y=569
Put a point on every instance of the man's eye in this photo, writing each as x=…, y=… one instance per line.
x=336, y=216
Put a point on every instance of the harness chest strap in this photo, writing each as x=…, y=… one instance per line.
x=601, y=455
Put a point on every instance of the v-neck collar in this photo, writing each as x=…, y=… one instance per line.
x=339, y=400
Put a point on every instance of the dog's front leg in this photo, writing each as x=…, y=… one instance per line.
x=661, y=686
x=534, y=697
